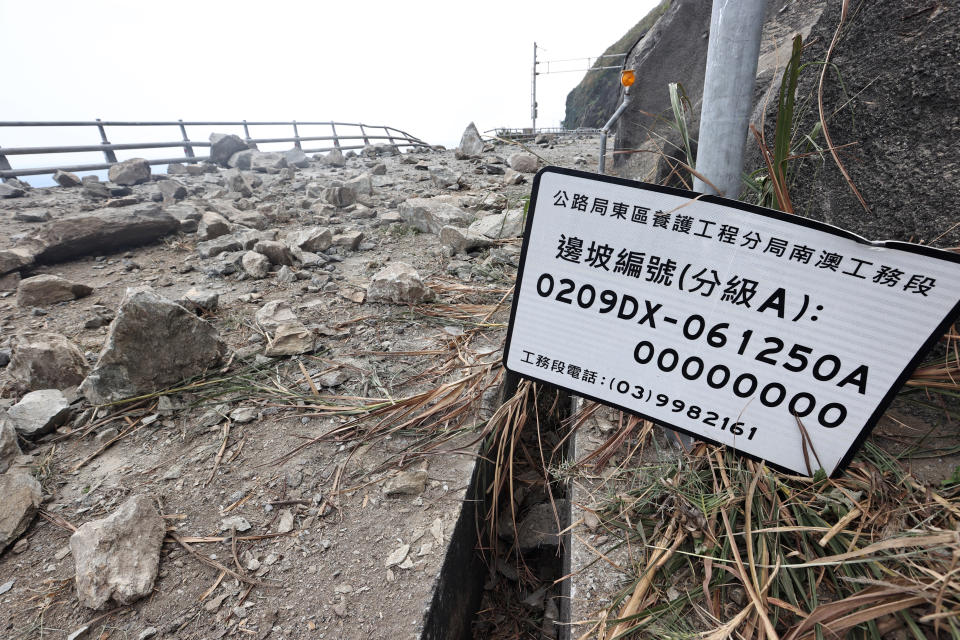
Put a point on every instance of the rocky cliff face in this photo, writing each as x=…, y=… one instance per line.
x=889, y=101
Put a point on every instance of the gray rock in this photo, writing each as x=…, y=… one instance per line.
x=10, y=282
x=311, y=239
x=46, y=361
x=296, y=158
x=523, y=162
x=242, y=159
x=277, y=252
x=470, y=143
x=8, y=190
x=32, y=215
x=267, y=162
x=461, y=240
x=286, y=275
x=187, y=214
x=9, y=447
x=290, y=340
x=378, y=169
x=237, y=181
x=275, y=313
x=215, y=247
x=117, y=558
x=249, y=239
x=335, y=158
x=130, y=172
x=66, y=179
x=212, y=225
x=430, y=215
x=256, y=265
x=96, y=190
x=444, y=177
x=509, y=224
x=39, y=412
x=21, y=500
x=197, y=300
x=339, y=196
x=406, y=483
x=46, y=289
x=539, y=528
x=252, y=219
x=223, y=145
x=399, y=283
x=349, y=240
x=102, y=231
x=511, y=177
x=361, y=185
x=14, y=259
x=153, y=343
x=172, y=190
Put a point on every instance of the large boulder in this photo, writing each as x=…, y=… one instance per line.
x=311, y=239
x=9, y=447
x=224, y=145
x=296, y=158
x=335, y=158
x=117, y=558
x=523, y=162
x=102, y=231
x=399, y=283
x=22, y=496
x=276, y=251
x=470, y=143
x=430, y=215
x=152, y=343
x=45, y=361
x=66, y=179
x=39, y=412
x=130, y=172
x=256, y=265
x=508, y=224
x=47, y=289
x=212, y=225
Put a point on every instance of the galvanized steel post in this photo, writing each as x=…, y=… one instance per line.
x=107, y=153
x=187, y=148
x=731, y=75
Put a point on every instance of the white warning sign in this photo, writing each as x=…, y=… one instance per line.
x=779, y=336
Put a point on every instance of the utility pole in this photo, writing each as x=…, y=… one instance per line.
x=533, y=90
x=732, y=54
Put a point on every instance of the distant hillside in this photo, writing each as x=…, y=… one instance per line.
x=591, y=102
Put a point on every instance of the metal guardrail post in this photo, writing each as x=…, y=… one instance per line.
x=296, y=136
x=187, y=148
x=107, y=153
x=386, y=130
x=364, y=134
x=336, y=139
x=246, y=132
x=4, y=163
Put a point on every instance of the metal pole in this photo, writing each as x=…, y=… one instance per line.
x=533, y=91
x=187, y=149
x=605, y=129
x=107, y=153
x=296, y=136
x=732, y=53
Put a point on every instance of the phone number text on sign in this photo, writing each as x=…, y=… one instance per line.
x=742, y=337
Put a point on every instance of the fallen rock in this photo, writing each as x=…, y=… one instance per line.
x=46, y=361
x=399, y=283
x=290, y=340
x=200, y=300
x=10, y=282
x=256, y=265
x=461, y=240
x=39, y=412
x=215, y=247
x=312, y=239
x=129, y=172
x=361, y=185
x=45, y=289
x=335, y=158
x=153, y=343
x=238, y=182
x=444, y=177
x=187, y=215
x=277, y=252
x=339, y=197
x=508, y=224
x=212, y=225
x=172, y=190
x=431, y=215
x=349, y=240
x=224, y=145
x=523, y=162
x=275, y=313
x=296, y=158
x=21, y=500
x=539, y=527
x=267, y=162
x=406, y=483
x=471, y=144
x=8, y=190
x=102, y=231
x=66, y=179
x=117, y=558
x=9, y=447
x=14, y=259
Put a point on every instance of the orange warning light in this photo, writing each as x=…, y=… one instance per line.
x=627, y=77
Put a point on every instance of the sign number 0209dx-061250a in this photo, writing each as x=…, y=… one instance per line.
x=779, y=336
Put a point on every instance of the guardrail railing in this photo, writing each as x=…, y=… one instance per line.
x=343, y=140
x=522, y=134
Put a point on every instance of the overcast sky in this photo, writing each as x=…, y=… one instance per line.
x=426, y=67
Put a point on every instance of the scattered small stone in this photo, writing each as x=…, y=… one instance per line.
x=398, y=283
x=243, y=415
x=6, y=586
x=46, y=361
x=130, y=172
x=285, y=524
x=398, y=555
x=235, y=523
x=406, y=483
x=39, y=412
x=21, y=500
x=48, y=289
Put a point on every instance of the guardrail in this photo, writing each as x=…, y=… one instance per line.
x=526, y=133
x=357, y=132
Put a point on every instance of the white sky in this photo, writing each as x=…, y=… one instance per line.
x=426, y=67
